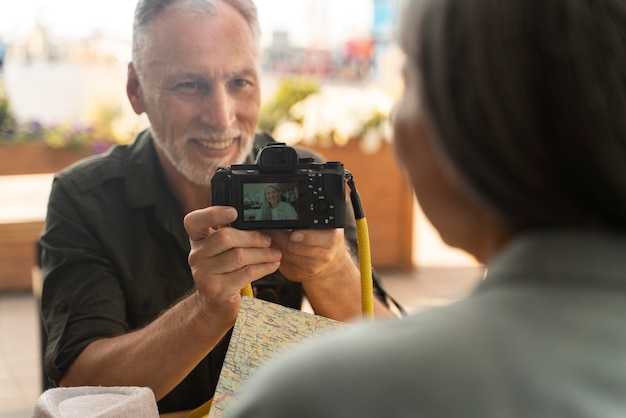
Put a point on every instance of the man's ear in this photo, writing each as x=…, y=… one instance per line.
x=133, y=90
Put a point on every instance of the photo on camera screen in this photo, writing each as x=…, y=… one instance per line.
x=274, y=201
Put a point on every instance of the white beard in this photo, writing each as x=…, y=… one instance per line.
x=201, y=174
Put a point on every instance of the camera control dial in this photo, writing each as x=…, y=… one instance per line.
x=322, y=206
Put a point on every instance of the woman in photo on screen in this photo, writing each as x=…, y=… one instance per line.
x=273, y=208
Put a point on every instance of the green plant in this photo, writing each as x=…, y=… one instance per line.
x=289, y=92
x=6, y=117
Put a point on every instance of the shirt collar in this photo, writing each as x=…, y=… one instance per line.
x=144, y=174
x=567, y=256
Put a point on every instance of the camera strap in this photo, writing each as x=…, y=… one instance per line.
x=363, y=245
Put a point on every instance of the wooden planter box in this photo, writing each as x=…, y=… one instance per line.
x=387, y=199
x=36, y=158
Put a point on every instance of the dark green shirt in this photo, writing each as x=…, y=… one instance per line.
x=114, y=256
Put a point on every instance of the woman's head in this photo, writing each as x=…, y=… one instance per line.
x=272, y=194
x=527, y=102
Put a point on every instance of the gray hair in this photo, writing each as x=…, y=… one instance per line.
x=147, y=10
x=528, y=99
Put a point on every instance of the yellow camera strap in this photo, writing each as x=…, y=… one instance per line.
x=363, y=246
x=367, y=287
x=247, y=291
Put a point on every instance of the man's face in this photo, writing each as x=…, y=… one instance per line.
x=200, y=90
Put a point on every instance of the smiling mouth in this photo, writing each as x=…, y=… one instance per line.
x=215, y=145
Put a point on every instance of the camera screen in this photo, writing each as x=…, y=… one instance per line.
x=274, y=200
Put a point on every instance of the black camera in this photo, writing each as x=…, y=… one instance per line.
x=281, y=190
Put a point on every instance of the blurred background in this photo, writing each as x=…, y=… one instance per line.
x=54, y=51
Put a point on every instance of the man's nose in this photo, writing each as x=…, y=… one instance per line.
x=218, y=109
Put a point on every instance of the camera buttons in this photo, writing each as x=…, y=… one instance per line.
x=322, y=207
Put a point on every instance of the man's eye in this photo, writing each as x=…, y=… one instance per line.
x=191, y=86
x=240, y=82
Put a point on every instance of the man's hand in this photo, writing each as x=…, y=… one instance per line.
x=321, y=260
x=310, y=254
x=224, y=260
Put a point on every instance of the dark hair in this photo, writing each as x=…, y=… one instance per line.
x=528, y=100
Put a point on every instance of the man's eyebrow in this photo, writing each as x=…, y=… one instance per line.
x=246, y=72
x=192, y=76
x=184, y=76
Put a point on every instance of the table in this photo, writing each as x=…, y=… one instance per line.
x=23, y=202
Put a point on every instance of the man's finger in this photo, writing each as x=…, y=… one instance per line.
x=199, y=222
x=324, y=238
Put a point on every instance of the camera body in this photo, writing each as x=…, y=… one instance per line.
x=282, y=191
